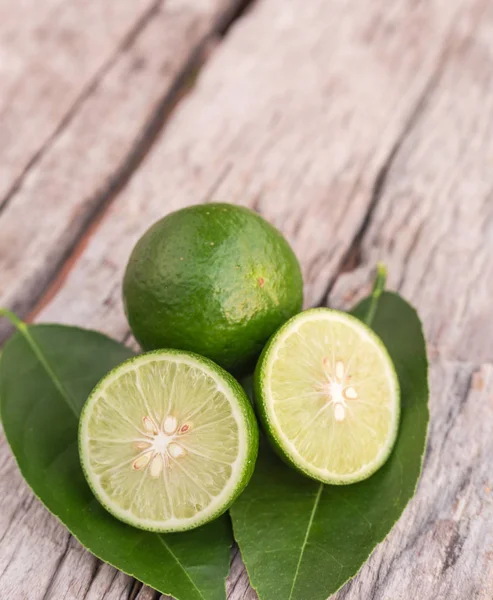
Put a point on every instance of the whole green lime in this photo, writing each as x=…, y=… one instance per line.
x=215, y=279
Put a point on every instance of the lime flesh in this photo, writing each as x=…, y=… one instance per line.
x=329, y=396
x=167, y=441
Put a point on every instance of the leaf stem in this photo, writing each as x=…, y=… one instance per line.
x=13, y=318
x=378, y=288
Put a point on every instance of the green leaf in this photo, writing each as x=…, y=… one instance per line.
x=46, y=374
x=303, y=540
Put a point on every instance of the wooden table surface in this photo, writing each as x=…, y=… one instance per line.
x=363, y=130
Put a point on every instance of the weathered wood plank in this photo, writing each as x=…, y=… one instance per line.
x=432, y=225
x=50, y=52
x=332, y=138
x=306, y=151
x=149, y=184
x=441, y=547
x=94, y=151
x=238, y=585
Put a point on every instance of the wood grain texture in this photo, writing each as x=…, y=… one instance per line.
x=362, y=134
x=50, y=52
x=442, y=546
x=432, y=225
x=92, y=153
x=305, y=150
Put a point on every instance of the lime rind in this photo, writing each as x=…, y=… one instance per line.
x=263, y=396
x=241, y=469
x=215, y=279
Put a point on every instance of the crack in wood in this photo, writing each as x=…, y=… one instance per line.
x=128, y=40
x=121, y=176
x=110, y=583
x=238, y=584
x=452, y=551
x=352, y=259
x=135, y=590
x=237, y=11
x=234, y=583
x=94, y=573
x=181, y=87
x=444, y=522
x=59, y=564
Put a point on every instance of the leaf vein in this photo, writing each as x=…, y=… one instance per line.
x=24, y=331
x=307, y=533
x=180, y=565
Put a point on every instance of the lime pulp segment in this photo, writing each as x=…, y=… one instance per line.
x=329, y=396
x=167, y=441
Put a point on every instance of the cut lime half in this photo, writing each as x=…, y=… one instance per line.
x=167, y=441
x=328, y=395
